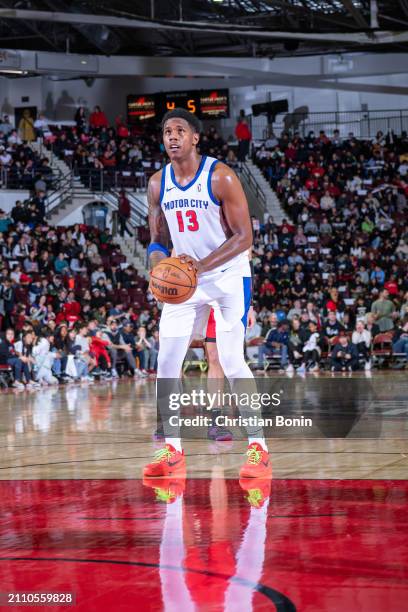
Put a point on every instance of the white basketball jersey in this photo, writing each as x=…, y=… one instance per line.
x=193, y=215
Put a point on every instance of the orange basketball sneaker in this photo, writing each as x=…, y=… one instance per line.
x=258, y=463
x=167, y=462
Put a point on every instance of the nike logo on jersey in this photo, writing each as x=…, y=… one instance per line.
x=169, y=188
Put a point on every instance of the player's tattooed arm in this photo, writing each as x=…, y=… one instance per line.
x=228, y=190
x=159, y=231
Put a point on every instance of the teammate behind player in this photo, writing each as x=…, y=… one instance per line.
x=215, y=376
x=199, y=204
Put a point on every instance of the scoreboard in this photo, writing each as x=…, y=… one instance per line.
x=205, y=104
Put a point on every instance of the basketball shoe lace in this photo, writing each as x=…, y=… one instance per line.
x=163, y=454
x=164, y=495
x=254, y=456
x=254, y=497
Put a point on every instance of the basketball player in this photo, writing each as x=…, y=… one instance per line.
x=198, y=203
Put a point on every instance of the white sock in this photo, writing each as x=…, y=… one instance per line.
x=259, y=513
x=175, y=509
x=260, y=441
x=176, y=442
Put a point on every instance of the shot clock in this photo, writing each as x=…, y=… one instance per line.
x=206, y=104
x=177, y=99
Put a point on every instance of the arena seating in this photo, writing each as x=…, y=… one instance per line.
x=346, y=227
x=343, y=242
x=105, y=158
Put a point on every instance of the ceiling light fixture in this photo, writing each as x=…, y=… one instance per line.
x=10, y=71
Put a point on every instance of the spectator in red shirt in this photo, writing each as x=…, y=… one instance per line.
x=334, y=190
x=291, y=153
x=98, y=347
x=311, y=184
x=335, y=303
x=313, y=203
x=288, y=226
x=244, y=136
x=267, y=287
x=311, y=164
x=108, y=159
x=318, y=171
x=98, y=119
x=391, y=285
x=70, y=311
x=121, y=128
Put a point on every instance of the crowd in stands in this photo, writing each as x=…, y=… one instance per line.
x=23, y=168
x=102, y=155
x=329, y=281
x=335, y=271
x=70, y=306
x=126, y=157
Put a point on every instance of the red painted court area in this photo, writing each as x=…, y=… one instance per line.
x=317, y=545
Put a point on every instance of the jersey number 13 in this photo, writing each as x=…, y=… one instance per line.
x=192, y=223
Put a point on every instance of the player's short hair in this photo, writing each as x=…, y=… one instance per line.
x=182, y=113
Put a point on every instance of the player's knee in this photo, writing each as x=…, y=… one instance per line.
x=232, y=364
x=168, y=366
x=162, y=365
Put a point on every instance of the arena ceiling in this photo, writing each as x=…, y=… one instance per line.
x=205, y=28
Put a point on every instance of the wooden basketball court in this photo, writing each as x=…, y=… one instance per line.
x=77, y=517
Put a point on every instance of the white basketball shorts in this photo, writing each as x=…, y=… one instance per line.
x=228, y=293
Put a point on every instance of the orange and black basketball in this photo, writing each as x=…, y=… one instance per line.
x=172, y=281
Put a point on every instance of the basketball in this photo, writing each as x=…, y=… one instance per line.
x=172, y=282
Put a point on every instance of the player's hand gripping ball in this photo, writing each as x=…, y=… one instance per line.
x=173, y=281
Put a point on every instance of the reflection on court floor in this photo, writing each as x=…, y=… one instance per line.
x=209, y=544
x=327, y=533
